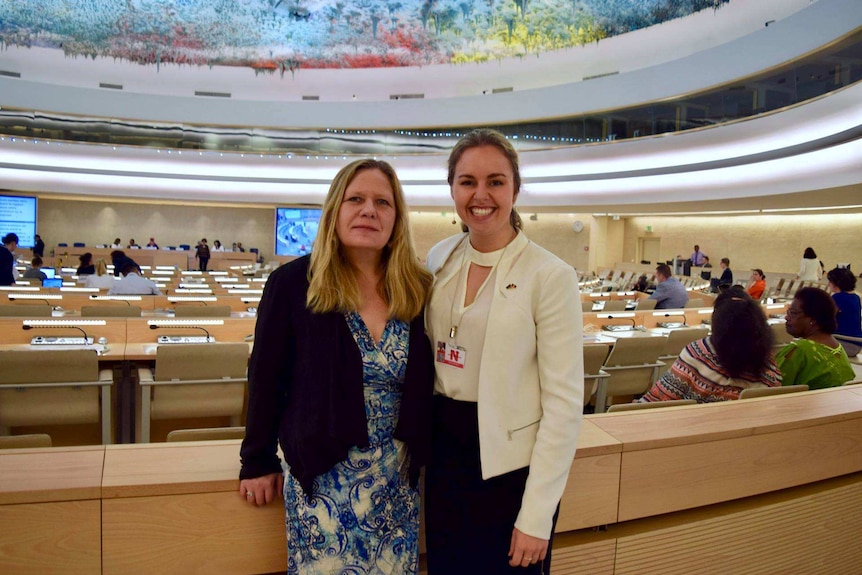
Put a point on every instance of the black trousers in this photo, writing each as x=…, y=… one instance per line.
x=203, y=264
x=468, y=520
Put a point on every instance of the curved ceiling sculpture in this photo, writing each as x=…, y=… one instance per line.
x=286, y=35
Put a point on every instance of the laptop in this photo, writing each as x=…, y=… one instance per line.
x=49, y=272
x=52, y=282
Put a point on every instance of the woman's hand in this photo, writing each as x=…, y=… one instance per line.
x=526, y=550
x=261, y=490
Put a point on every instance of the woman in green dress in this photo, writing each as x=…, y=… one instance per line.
x=816, y=359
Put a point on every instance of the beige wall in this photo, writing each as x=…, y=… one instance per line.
x=772, y=242
x=99, y=222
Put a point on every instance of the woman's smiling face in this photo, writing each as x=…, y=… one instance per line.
x=484, y=193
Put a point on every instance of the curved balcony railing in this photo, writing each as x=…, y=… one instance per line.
x=831, y=68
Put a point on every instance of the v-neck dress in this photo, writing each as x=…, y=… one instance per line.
x=364, y=517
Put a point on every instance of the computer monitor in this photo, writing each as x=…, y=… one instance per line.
x=52, y=282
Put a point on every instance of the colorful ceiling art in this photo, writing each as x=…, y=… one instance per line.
x=286, y=35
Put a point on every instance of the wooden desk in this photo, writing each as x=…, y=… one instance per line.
x=12, y=336
x=175, y=509
x=141, y=341
x=50, y=510
x=752, y=446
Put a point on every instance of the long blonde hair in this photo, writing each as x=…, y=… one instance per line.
x=332, y=283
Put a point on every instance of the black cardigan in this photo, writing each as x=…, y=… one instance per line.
x=306, y=389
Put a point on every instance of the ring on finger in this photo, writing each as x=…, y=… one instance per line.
x=249, y=494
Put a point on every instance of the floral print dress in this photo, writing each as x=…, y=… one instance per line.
x=364, y=516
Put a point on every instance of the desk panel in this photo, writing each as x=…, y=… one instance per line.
x=665, y=480
x=202, y=533
x=50, y=474
x=51, y=538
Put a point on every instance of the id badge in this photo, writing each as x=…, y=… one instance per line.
x=453, y=355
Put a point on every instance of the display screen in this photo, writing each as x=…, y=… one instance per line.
x=295, y=230
x=18, y=215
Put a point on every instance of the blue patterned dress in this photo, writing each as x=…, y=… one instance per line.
x=364, y=516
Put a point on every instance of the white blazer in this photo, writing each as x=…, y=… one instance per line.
x=531, y=375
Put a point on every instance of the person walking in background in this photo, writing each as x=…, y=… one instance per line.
x=756, y=284
x=202, y=254
x=815, y=359
x=810, y=269
x=7, y=259
x=341, y=376
x=505, y=319
x=38, y=246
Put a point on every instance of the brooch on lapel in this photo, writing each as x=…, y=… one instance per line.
x=511, y=286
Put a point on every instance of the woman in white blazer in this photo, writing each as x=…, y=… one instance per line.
x=505, y=321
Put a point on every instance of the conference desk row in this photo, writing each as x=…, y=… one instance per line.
x=68, y=255
x=69, y=303
x=128, y=342
x=761, y=486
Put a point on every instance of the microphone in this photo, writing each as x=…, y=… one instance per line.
x=13, y=298
x=113, y=298
x=87, y=339
x=670, y=324
x=612, y=327
x=209, y=338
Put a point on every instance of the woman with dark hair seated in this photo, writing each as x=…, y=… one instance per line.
x=736, y=356
x=842, y=284
x=86, y=267
x=816, y=359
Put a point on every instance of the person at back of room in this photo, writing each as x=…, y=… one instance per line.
x=7, y=259
x=842, y=284
x=100, y=278
x=85, y=265
x=669, y=292
x=810, y=268
x=756, y=284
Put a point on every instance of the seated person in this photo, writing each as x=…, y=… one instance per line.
x=86, y=266
x=669, y=293
x=132, y=245
x=34, y=272
x=816, y=359
x=101, y=278
x=842, y=284
x=117, y=245
x=217, y=247
x=152, y=245
x=737, y=355
x=706, y=271
x=756, y=284
x=726, y=278
x=239, y=247
x=120, y=259
x=641, y=284
x=133, y=284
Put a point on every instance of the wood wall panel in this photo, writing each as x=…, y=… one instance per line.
x=674, y=478
x=815, y=533
x=51, y=538
x=194, y=534
x=589, y=558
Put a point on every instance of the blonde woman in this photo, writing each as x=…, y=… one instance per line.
x=100, y=279
x=341, y=376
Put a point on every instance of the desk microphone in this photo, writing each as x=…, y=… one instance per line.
x=13, y=298
x=673, y=324
x=203, y=329
x=87, y=339
x=98, y=298
x=631, y=319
